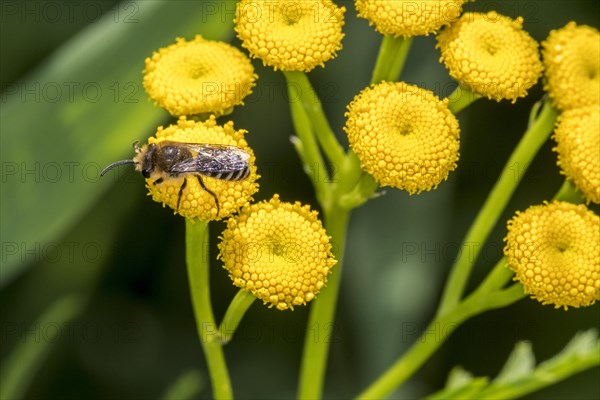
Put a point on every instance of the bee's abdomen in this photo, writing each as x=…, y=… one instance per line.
x=234, y=175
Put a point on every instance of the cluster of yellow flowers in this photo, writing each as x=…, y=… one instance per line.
x=403, y=135
x=554, y=248
x=276, y=250
x=572, y=62
x=199, y=80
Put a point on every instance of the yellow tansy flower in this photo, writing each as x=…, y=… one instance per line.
x=196, y=202
x=198, y=77
x=554, y=250
x=407, y=17
x=578, y=146
x=278, y=251
x=404, y=136
x=290, y=35
x=572, y=61
x=491, y=54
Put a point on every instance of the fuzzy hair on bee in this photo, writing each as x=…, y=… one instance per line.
x=171, y=160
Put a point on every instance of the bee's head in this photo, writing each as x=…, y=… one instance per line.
x=146, y=163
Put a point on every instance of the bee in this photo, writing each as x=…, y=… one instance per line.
x=172, y=160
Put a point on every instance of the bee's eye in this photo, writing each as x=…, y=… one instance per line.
x=146, y=172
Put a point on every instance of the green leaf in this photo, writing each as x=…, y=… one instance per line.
x=520, y=363
x=580, y=345
x=581, y=353
x=460, y=385
x=520, y=376
x=78, y=112
x=458, y=377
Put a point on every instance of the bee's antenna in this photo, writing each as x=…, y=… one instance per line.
x=116, y=164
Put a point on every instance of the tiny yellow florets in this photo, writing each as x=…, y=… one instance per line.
x=572, y=62
x=408, y=17
x=198, y=77
x=278, y=251
x=578, y=146
x=195, y=201
x=554, y=250
x=491, y=54
x=290, y=35
x=404, y=136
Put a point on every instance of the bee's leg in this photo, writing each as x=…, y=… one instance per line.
x=210, y=192
x=158, y=181
x=180, y=191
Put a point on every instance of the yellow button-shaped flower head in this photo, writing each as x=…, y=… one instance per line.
x=278, y=251
x=404, y=136
x=198, y=77
x=554, y=250
x=572, y=62
x=408, y=17
x=290, y=35
x=491, y=54
x=183, y=192
x=578, y=146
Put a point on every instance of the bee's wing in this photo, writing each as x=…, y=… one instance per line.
x=212, y=158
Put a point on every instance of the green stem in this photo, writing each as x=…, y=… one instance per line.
x=391, y=58
x=196, y=237
x=235, y=312
x=501, y=274
x=398, y=61
x=461, y=98
x=358, y=186
x=489, y=214
x=316, y=344
x=435, y=335
x=308, y=150
x=314, y=111
x=497, y=278
x=320, y=327
x=363, y=191
x=568, y=192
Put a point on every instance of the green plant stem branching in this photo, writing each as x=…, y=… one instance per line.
x=196, y=237
x=308, y=150
x=490, y=294
x=445, y=324
x=301, y=91
x=350, y=188
x=488, y=215
x=310, y=124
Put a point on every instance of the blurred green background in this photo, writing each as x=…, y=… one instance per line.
x=72, y=102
